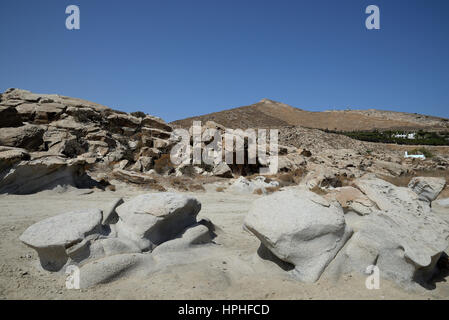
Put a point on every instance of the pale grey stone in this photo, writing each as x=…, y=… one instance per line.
x=110, y=215
x=51, y=237
x=427, y=188
x=301, y=228
x=152, y=219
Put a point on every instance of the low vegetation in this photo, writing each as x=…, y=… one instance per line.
x=185, y=184
x=163, y=164
x=403, y=180
x=288, y=178
x=268, y=190
x=420, y=138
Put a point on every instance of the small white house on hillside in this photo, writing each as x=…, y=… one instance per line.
x=405, y=135
x=415, y=156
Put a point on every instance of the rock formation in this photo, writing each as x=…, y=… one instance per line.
x=55, y=140
x=300, y=228
x=130, y=233
x=393, y=228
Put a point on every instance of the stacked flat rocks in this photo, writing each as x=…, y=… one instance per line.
x=53, y=140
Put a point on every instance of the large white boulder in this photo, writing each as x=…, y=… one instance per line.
x=53, y=236
x=152, y=219
x=301, y=228
x=427, y=188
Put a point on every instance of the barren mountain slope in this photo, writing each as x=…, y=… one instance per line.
x=268, y=113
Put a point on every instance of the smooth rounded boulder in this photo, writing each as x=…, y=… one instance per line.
x=154, y=218
x=301, y=228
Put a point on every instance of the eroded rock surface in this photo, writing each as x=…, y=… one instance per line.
x=427, y=188
x=53, y=128
x=244, y=185
x=107, y=248
x=53, y=236
x=393, y=229
x=152, y=219
x=301, y=228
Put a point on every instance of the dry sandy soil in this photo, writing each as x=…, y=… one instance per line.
x=235, y=271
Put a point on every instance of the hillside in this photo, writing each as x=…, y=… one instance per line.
x=269, y=113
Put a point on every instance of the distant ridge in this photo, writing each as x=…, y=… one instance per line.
x=269, y=113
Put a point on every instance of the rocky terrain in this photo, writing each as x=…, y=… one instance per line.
x=91, y=194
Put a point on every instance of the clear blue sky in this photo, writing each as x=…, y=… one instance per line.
x=176, y=59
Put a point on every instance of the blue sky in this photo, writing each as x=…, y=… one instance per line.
x=176, y=59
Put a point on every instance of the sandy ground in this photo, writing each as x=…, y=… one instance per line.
x=234, y=272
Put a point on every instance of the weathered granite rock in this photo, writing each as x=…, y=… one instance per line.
x=69, y=127
x=222, y=170
x=96, y=247
x=28, y=137
x=194, y=235
x=113, y=267
x=152, y=219
x=110, y=215
x=403, y=239
x=352, y=199
x=53, y=236
x=9, y=117
x=388, y=197
x=427, y=188
x=290, y=162
x=10, y=156
x=301, y=228
x=404, y=245
x=27, y=177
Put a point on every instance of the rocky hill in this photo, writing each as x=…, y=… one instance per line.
x=269, y=113
x=49, y=140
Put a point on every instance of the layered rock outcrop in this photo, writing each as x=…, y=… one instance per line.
x=56, y=140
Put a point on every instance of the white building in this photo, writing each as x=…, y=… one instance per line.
x=415, y=156
x=405, y=135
